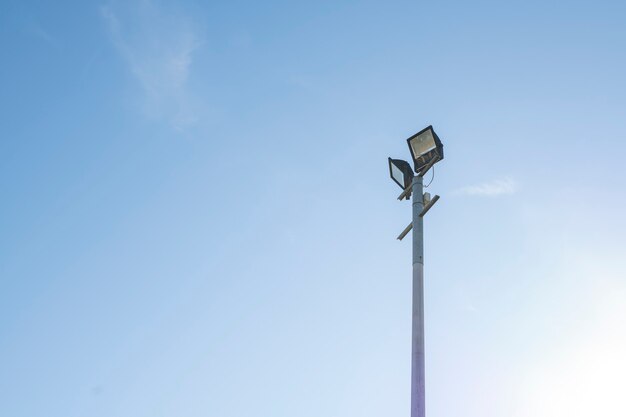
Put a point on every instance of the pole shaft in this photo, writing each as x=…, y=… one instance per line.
x=418, y=392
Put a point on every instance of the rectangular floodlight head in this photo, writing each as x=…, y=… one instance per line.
x=400, y=172
x=425, y=146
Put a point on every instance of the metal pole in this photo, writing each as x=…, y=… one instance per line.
x=418, y=393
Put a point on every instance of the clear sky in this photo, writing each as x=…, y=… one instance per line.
x=196, y=217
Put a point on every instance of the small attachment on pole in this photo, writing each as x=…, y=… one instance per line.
x=429, y=205
x=405, y=231
x=406, y=193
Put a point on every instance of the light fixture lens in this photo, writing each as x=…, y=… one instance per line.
x=425, y=147
x=397, y=174
x=423, y=143
x=400, y=172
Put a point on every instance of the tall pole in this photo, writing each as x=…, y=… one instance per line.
x=418, y=393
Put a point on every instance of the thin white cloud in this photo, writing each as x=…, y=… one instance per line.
x=36, y=30
x=158, y=48
x=493, y=188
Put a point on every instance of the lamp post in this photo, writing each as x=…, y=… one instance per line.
x=426, y=150
x=418, y=391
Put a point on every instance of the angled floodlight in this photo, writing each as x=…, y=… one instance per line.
x=425, y=147
x=400, y=172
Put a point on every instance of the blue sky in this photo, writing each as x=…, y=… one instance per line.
x=197, y=218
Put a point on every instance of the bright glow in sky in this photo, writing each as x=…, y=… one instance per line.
x=197, y=217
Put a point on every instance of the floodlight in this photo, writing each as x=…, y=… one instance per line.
x=425, y=147
x=400, y=172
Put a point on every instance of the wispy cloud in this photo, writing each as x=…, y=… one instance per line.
x=36, y=30
x=493, y=188
x=158, y=48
